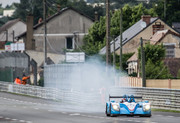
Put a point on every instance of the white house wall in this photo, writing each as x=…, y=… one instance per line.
x=18, y=28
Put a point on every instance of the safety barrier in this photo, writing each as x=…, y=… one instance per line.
x=159, y=98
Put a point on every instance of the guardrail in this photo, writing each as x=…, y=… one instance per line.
x=159, y=98
x=50, y=93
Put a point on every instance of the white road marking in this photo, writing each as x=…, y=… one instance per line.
x=64, y=112
x=129, y=120
x=7, y=118
x=22, y=121
x=28, y=122
x=75, y=114
x=170, y=116
x=84, y=115
x=50, y=110
x=36, y=108
x=14, y=119
x=1, y=117
x=137, y=121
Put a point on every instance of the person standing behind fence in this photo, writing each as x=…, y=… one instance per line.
x=17, y=81
x=24, y=79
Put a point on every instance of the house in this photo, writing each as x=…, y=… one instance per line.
x=10, y=30
x=8, y=13
x=145, y=28
x=65, y=31
x=170, y=40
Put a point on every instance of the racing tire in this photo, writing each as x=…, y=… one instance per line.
x=106, y=111
x=111, y=115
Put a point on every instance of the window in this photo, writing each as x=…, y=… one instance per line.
x=69, y=43
x=170, y=49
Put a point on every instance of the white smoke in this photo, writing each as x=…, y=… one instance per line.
x=87, y=85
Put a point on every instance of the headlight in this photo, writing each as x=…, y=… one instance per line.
x=146, y=107
x=116, y=107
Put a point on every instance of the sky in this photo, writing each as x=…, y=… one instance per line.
x=7, y=2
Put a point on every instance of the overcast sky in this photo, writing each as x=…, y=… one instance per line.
x=5, y=2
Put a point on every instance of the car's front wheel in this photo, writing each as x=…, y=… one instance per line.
x=107, y=110
x=110, y=111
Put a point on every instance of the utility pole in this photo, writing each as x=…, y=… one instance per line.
x=143, y=64
x=6, y=35
x=108, y=56
x=165, y=2
x=45, y=33
x=114, y=54
x=13, y=35
x=120, y=55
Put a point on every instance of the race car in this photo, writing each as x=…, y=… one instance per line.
x=127, y=106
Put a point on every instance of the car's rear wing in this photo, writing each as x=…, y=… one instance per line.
x=137, y=97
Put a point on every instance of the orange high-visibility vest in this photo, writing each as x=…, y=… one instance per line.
x=24, y=79
x=17, y=81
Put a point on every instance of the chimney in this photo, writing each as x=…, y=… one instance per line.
x=40, y=20
x=146, y=18
x=96, y=16
x=59, y=7
x=29, y=44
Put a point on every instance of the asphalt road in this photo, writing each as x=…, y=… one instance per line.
x=22, y=109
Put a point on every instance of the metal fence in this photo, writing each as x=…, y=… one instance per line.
x=159, y=98
x=13, y=64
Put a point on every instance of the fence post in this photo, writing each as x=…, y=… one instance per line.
x=169, y=83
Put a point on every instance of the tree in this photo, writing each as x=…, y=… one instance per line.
x=155, y=68
x=96, y=36
x=178, y=74
x=172, y=10
x=33, y=7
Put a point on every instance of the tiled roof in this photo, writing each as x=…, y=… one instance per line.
x=39, y=57
x=128, y=35
x=8, y=24
x=133, y=57
x=159, y=35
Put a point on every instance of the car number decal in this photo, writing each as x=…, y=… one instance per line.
x=131, y=106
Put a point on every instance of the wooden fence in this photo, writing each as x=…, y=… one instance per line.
x=129, y=82
x=152, y=83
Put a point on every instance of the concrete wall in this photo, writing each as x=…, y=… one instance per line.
x=60, y=27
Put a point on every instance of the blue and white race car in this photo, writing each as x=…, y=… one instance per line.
x=128, y=106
